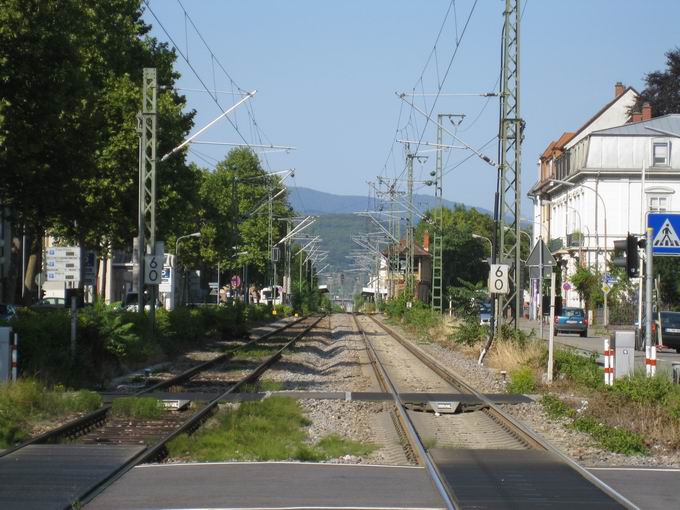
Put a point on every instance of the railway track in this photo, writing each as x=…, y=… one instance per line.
x=478, y=456
x=145, y=440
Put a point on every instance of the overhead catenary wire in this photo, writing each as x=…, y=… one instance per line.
x=193, y=69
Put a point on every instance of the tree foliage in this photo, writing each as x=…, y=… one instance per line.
x=71, y=73
x=662, y=88
x=462, y=254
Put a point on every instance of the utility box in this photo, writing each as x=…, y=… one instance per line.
x=624, y=355
x=5, y=354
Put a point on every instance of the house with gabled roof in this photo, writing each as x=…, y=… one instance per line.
x=595, y=185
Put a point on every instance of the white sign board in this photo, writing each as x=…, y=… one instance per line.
x=153, y=269
x=498, y=279
x=62, y=264
x=606, y=288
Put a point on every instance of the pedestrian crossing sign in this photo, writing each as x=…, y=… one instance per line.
x=665, y=233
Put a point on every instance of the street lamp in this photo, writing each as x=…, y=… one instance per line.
x=477, y=236
x=195, y=234
x=604, y=208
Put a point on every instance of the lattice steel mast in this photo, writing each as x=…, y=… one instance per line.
x=510, y=168
x=146, y=126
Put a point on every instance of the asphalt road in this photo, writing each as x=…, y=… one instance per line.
x=270, y=485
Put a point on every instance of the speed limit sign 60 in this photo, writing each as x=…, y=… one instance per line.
x=153, y=269
x=498, y=279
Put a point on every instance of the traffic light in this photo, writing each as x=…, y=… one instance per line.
x=342, y=278
x=630, y=259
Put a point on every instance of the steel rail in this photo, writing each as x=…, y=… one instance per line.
x=507, y=419
x=96, y=418
x=159, y=449
x=414, y=439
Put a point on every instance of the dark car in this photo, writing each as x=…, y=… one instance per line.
x=571, y=320
x=670, y=330
x=7, y=312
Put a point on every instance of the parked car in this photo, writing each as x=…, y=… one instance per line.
x=131, y=302
x=49, y=303
x=571, y=320
x=266, y=295
x=485, y=314
x=669, y=324
x=7, y=312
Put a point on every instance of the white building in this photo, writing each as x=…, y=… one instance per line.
x=596, y=185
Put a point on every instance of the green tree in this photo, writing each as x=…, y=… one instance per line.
x=462, y=254
x=71, y=80
x=662, y=88
x=587, y=284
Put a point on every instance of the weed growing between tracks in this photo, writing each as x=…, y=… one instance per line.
x=272, y=429
x=141, y=408
x=27, y=404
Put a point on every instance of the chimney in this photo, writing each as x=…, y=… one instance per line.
x=646, y=111
x=426, y=241
x=636, y=116
x=618, y=89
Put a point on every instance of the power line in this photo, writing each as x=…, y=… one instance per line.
x=186, y=59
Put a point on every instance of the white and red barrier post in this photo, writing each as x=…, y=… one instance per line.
x=608, y=363
x=15, y=357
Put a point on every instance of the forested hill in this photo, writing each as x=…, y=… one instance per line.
x=337, y=222
x=309, y=201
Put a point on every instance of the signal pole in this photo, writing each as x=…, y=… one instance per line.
x=146, y=127
x=510, y=169
x=409, y=231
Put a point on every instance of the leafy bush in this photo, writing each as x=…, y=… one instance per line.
x=580, y=369
x=108, y=336
x=643, y=389
x=470, y=332
x=522, y=380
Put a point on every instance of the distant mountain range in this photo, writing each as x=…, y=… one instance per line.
x=337, y=221
x=309, y=201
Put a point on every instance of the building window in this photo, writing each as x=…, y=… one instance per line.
x=660, y=152
x=659, y=203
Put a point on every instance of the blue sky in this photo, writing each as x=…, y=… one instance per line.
x=326, y=73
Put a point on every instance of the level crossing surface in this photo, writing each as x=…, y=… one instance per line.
x=269, y=485
x=45, y=477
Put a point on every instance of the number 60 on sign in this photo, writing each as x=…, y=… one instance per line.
x=498, y=279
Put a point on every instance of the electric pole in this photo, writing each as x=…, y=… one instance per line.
x=409, y=228
x=507, y=220
x=146, y=127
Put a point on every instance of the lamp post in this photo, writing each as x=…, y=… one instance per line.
x=195, y=234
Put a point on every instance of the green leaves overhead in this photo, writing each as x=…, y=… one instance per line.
x=71, y=78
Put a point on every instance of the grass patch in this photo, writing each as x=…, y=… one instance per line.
x=615, y=439
x=522, y=380
x=26, y=403
x=612, y=438
x=333, y=446
x=263, y=385
x=510, y=356
x=256, y=351
x=141, y=408
x=555, y=408
x=272, y=429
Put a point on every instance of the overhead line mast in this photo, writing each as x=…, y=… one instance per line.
x=509, y=191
